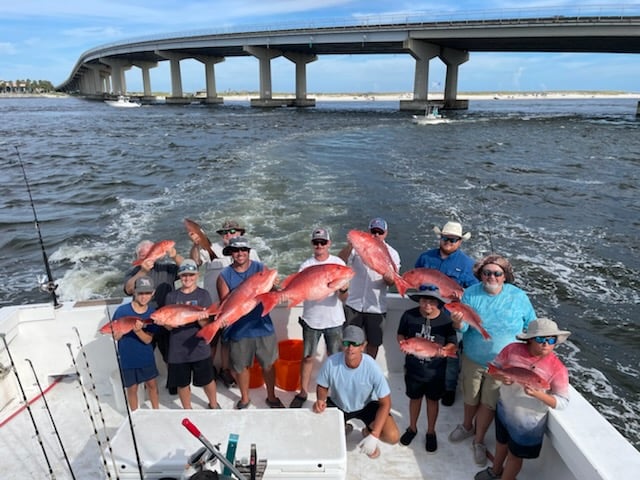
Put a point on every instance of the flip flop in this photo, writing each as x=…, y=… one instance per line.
x=275, y=404
x=297, y=401
x=242, y=406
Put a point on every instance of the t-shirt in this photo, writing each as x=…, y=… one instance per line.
x=458, y=266
x=134, y=353
x=523, y=416
x=325, y=313
x=184, y=346
x=439, y=330
x=352, y=388
x=164, y=274
x=503, y=315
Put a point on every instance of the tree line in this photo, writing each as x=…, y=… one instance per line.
x=26, y=86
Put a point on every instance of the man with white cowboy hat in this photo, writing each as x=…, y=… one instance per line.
x=449, y=259
x=521, y=413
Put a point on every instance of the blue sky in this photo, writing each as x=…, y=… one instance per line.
x=43, y=39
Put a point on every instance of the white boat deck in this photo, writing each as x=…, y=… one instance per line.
x=586, y=441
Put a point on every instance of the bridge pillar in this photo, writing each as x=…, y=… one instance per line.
x=210, y=76
x=95, y=80
x=453, y=59
x=423, y=52
x=301, y=60
x=264, y=56
x=118, y=67
x=147, y=95
x=177, y=96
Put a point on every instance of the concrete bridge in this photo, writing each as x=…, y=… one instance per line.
x=100, y=72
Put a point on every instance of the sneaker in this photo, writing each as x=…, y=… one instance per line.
x=448, y=398
x=432, y=443
x=479, y=454
x=460, y=433
x=486, y=474
x=407, y=437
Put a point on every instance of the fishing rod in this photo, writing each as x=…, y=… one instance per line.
x=49, y=286
x=93, y=421
x=26, y=402
x=53, y=423
x=126, y=400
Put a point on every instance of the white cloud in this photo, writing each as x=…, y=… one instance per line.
x=7, y=48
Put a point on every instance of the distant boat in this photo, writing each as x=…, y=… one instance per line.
x=431, y=116
x=122, y=102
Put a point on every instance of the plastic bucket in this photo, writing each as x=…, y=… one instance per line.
x=288, y=364
x=255, y=375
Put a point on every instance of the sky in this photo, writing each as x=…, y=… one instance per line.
x=43, y=39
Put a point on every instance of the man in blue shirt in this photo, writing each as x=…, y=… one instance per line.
x=457, y=265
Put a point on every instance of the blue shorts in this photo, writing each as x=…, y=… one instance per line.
x=180, y=374
x=135, y=376
x=520, y=451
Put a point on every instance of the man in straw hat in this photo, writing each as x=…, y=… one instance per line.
x=449, y=259
x=521, y=414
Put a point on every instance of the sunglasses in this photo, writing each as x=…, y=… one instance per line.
x=347, y=344
x=489, y=273
x=549, y=340
x=376, y=231
x=240, y=249
x=225, y=232
x=449, y=239
x=319, y=242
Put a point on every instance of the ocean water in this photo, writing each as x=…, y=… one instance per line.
x=551, y=184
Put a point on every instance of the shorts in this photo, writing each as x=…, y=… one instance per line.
x=181, y=374
x=136, y=376
x=371, y=323
x=520, y=451
x=311, y=337
x=243, y=351
x=477, y=385
x=366, y=414
x=433, y=389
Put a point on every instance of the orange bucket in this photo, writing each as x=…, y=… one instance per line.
x=255, y=375
x=288, y=364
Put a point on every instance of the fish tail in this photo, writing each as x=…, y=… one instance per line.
x=484, y=333
x=450, y=350
x=269, y=301
x=208, y=331
x=136, y=262
x=402, y=285
x=491, y=369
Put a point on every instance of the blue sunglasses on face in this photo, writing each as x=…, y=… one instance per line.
x=549, y=340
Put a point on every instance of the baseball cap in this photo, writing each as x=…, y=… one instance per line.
x=187, y=266
x=143, y=285
x=320, y=234
x=353, y=333
x=378, y=223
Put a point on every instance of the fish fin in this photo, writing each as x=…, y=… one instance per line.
x=214, y=309
x=402, y=285
x=484, y=333
x=269, y=301
x=208, y=331
x=288, y=280
x=491, y=369
x=137, y=262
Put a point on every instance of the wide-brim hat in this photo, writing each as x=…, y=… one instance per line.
x=494, y=259
x=235, y=242
x=427, y=291
x=543, y=327
x=230, y=225
x=453, y=229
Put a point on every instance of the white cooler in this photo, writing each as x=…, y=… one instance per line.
x=296, y=443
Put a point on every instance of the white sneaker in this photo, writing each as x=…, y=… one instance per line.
x=460, y=433
x=479, y=454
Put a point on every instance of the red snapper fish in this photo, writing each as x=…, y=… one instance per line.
x=157, y=251
x=375, y=255
x=179, y=314
x=203, y=240
x=313, y=283
x=424, y=348
x=122, y=325
x=239, y=302
x=469, y=315
x=447, y=287
x=523, y=376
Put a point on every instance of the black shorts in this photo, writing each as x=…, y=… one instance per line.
x=371, y=323
x=520, y=451
x=180, y=374
x=366, y=414
x=431, y=388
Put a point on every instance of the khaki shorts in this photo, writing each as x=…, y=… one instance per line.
x=477, y=385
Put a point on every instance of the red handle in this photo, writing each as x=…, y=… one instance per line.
x=191, y=427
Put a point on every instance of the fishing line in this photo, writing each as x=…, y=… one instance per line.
x=93, y=421
x=124, y=393
x=26, y=402
x=50, y=286
x=53, y=423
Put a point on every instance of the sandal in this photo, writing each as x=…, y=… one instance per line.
x=408, y=436
x=242, y=406
x=275, y=404
x=297, y=401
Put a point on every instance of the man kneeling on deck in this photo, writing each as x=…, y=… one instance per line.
x=355, y=380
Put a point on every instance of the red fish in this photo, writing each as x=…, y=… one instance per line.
x=424, y=348
x=447, y=287
x=239, y=302
x=313, y=283
x=203, y=240
x=157, y=251
x=470, y=316
x=122, y=325
x=178, y=315
x=523, y=376
x=375, y=255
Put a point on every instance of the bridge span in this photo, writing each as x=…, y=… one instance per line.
x=99, y=72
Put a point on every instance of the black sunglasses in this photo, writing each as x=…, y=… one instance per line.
x=319, y=242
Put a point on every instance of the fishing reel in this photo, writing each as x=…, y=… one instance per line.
x=202, y=460
x=48, y=286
